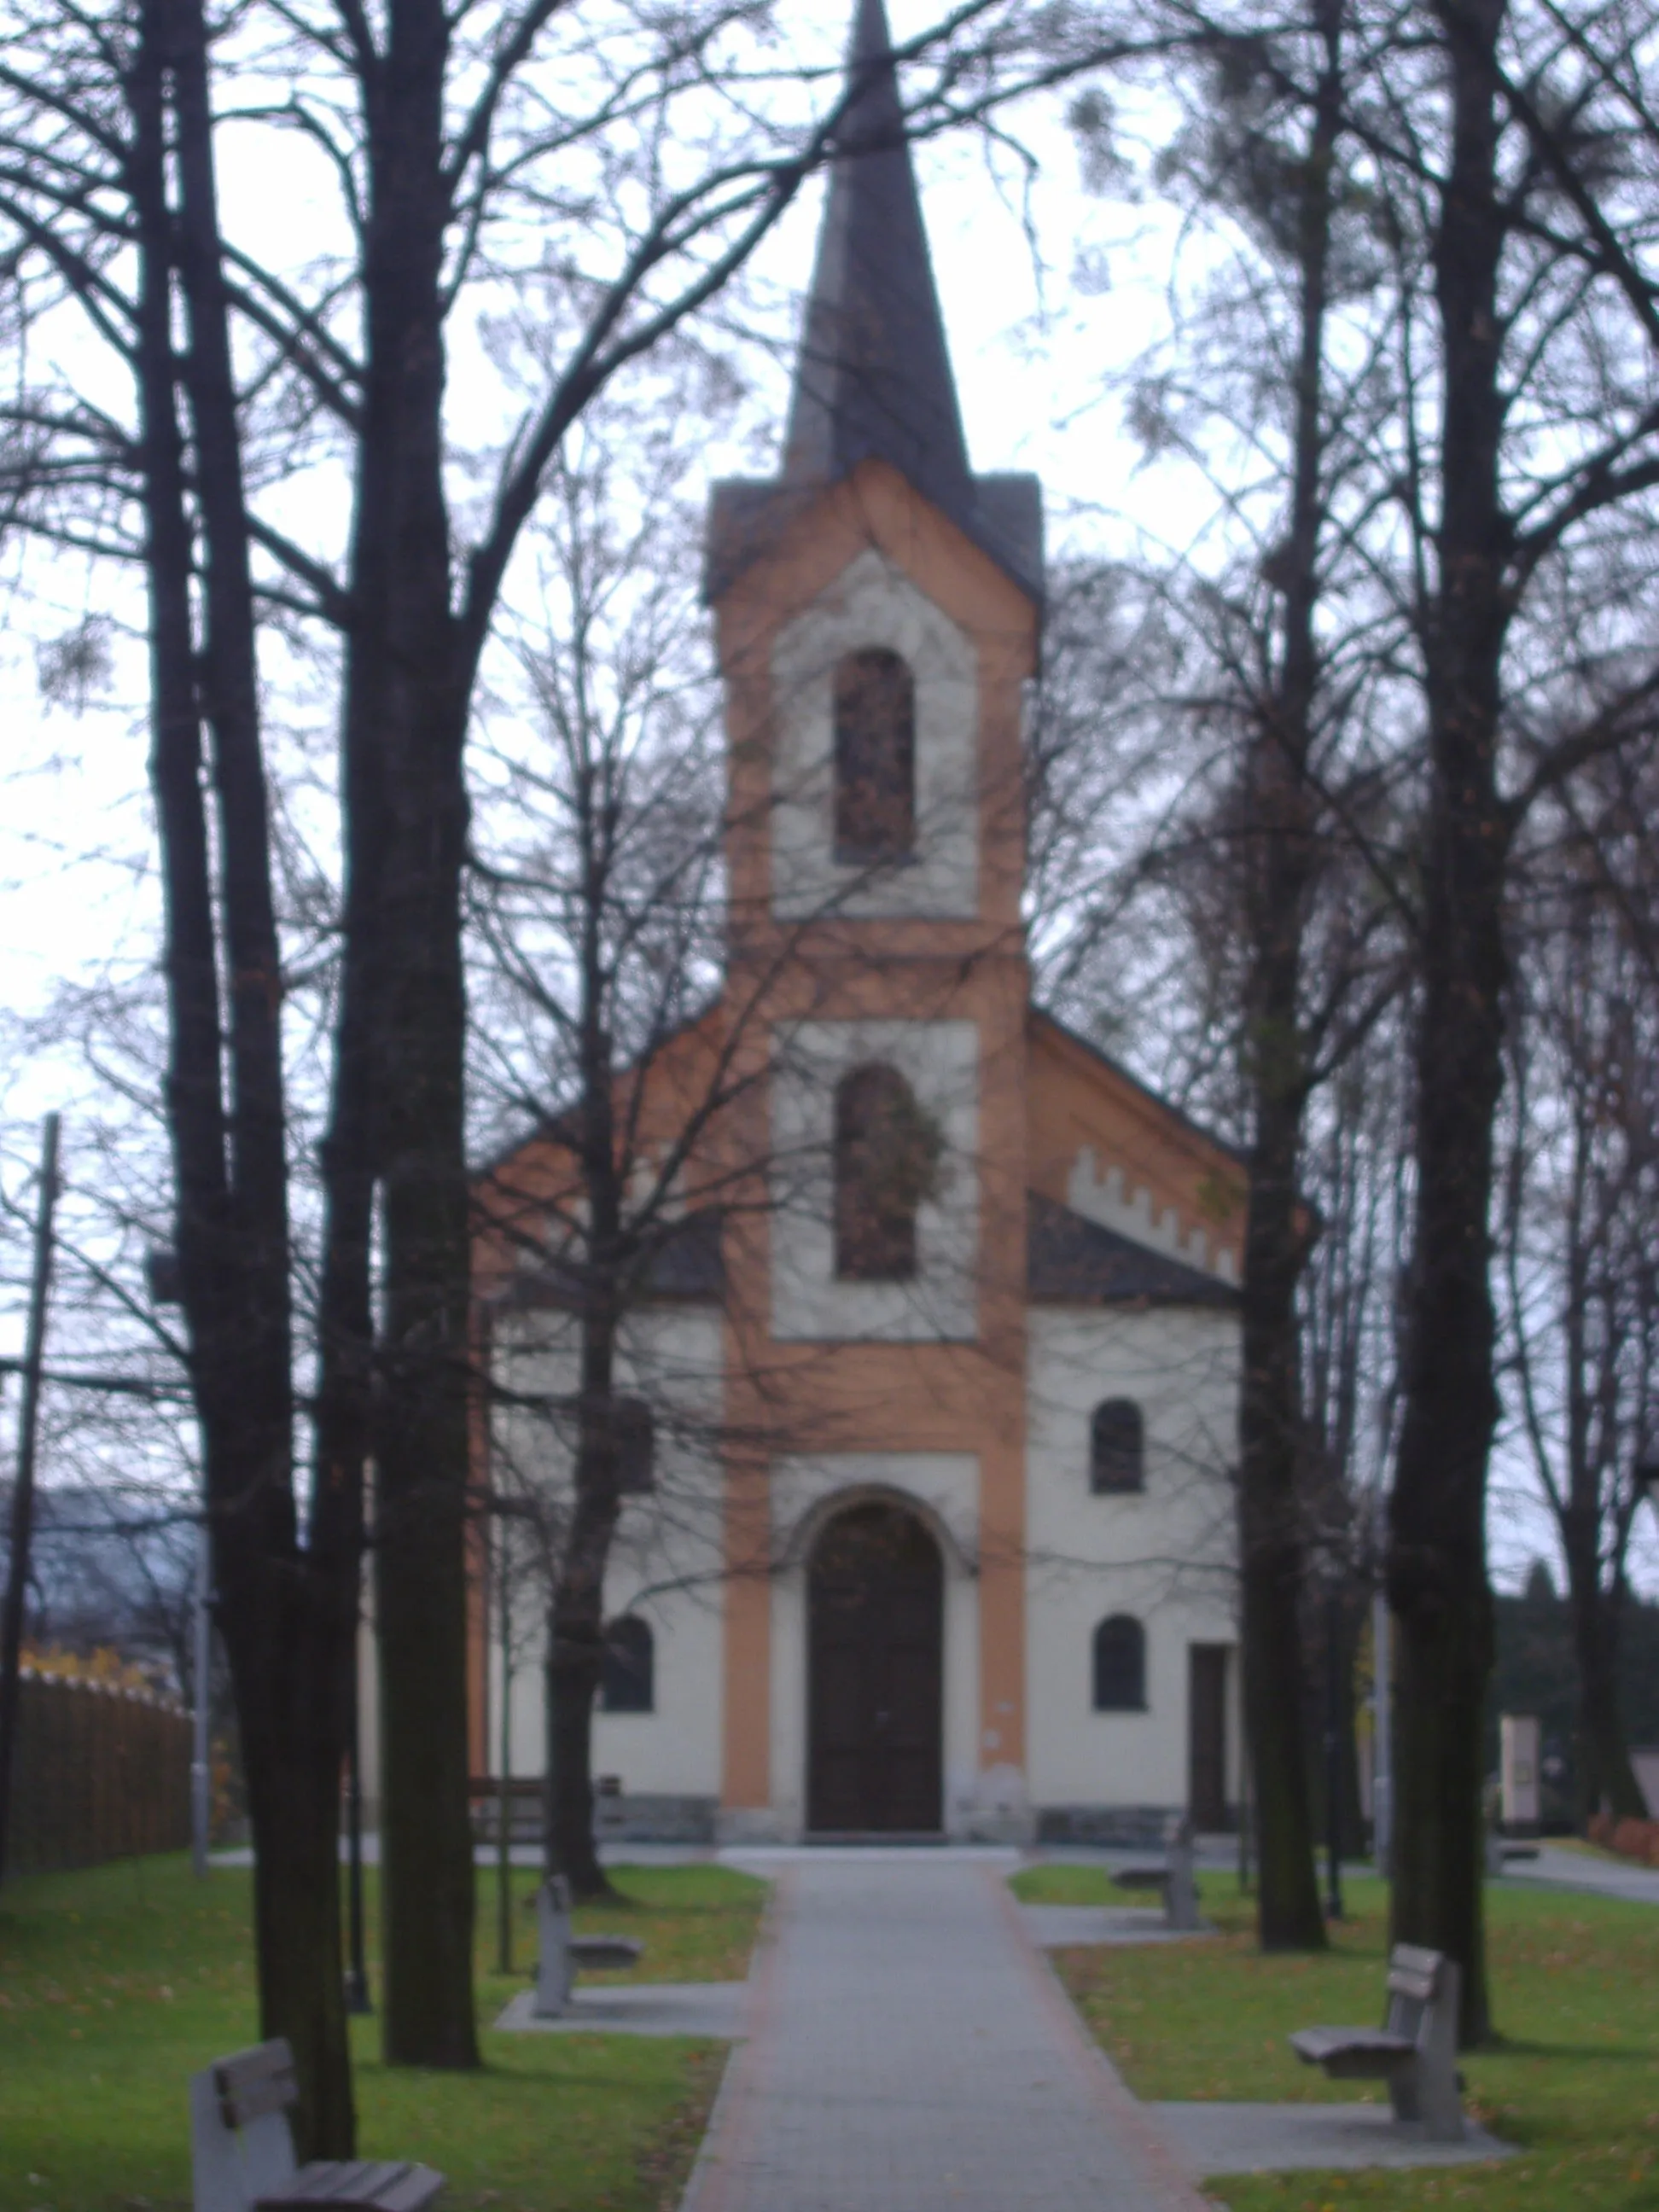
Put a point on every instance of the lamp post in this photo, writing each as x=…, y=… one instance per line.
x=162, y=1280
x=357, y=1999
x=1333, y=1697
x=22, y=1489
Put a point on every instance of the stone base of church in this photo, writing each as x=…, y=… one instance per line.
x=644, y=1819
x=1132, y=1827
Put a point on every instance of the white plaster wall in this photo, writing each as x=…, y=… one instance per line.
x=1167, y=1557
x=945, y=1486
x=873, y=602
x=940, y=1062
x=666, y=1560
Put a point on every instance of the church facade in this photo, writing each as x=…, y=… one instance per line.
x=929, y=1523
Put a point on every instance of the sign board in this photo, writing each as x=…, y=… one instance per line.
x=1518, y=1756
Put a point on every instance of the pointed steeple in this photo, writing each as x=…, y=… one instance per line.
x=873, y=375
x=873, y=378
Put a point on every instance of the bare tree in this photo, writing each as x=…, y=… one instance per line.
x=1583, y=1304
x=662, y=151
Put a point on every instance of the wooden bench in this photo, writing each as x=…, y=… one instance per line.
x=1414, y=2051
x=242, y=2148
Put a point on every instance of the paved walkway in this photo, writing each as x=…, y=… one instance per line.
x=1554, y=1869
x=909, y=2051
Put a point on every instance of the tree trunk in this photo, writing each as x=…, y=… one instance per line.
x=1279, y=867
x=576, y=1625
x=404, y=727
x=280, y=1609
x=1606, y=1779
x=287, y=1683
x=1437, y=1558
x=1288, y=1915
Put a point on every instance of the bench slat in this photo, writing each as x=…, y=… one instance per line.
x=357, y=2185
x=1413, y=1958
x=1141, y=1877
x=251, y=2083
x=595, y=1951
x=1420, y=1987
x=1353, y=2053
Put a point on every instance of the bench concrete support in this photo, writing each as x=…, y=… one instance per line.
x=1414, y=2051
x=553, y=1972
x=1428, y=2090
x=1180, y=1891
x=1175, y=1880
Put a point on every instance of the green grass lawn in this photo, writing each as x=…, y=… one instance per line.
x=116, y=1984
x=1574, y=2078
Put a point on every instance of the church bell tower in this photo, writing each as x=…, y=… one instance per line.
x=877, y=608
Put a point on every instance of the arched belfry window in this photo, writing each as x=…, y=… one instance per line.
x=628, y=1676
x=886, y=1161
x=875, y=758
x=1117, y=1448
x=1120, y=1655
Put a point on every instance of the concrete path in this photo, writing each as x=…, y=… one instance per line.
x=1057, y=1927
x=909, y=2051
x=1282, y=2138
x=1554, y=1869
x=710, y=2008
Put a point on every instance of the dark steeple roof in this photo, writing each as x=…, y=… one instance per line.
x=872, y=377
x=873, y=374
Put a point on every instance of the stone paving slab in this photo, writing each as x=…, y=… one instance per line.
x=910, y=2052
x=1212, y=2139
x=1057, y=1927
x=709, y=2008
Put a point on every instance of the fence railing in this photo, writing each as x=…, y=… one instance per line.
x=101, y=1773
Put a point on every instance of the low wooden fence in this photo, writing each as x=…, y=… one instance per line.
x=101, y=1773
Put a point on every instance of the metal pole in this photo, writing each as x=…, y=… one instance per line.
x=504, y=1793
x=201, y=1764
x=1334, y=1754
x=357, y=1998
x=1382, y=1749
x=22, y=1496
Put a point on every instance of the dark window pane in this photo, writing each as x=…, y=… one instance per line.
x=1120, y=1666
x=875, y=758
x=628, y=1680
x=637, y=1442
x=1117, y=1447
x=886, y=1156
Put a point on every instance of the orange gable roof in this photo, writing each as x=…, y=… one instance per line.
x=1104, y=1144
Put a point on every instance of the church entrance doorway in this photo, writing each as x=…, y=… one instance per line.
x=875, y=1637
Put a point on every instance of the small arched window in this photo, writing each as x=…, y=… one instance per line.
x=1120, y=1666
x=1117, y=1448
x=886, y=1159
x=628, y=1676
x=875, y=759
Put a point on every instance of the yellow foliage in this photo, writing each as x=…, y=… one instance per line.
x=104, y=1665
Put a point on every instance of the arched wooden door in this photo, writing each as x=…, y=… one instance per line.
x=875, y=1636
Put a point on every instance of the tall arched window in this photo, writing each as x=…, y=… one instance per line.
x=875, y=758
x=1120, y=1666
x=628, y=1676
x=1117, y=1448
x=886, y=1157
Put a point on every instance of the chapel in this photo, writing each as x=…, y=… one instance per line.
x=929, y=1528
